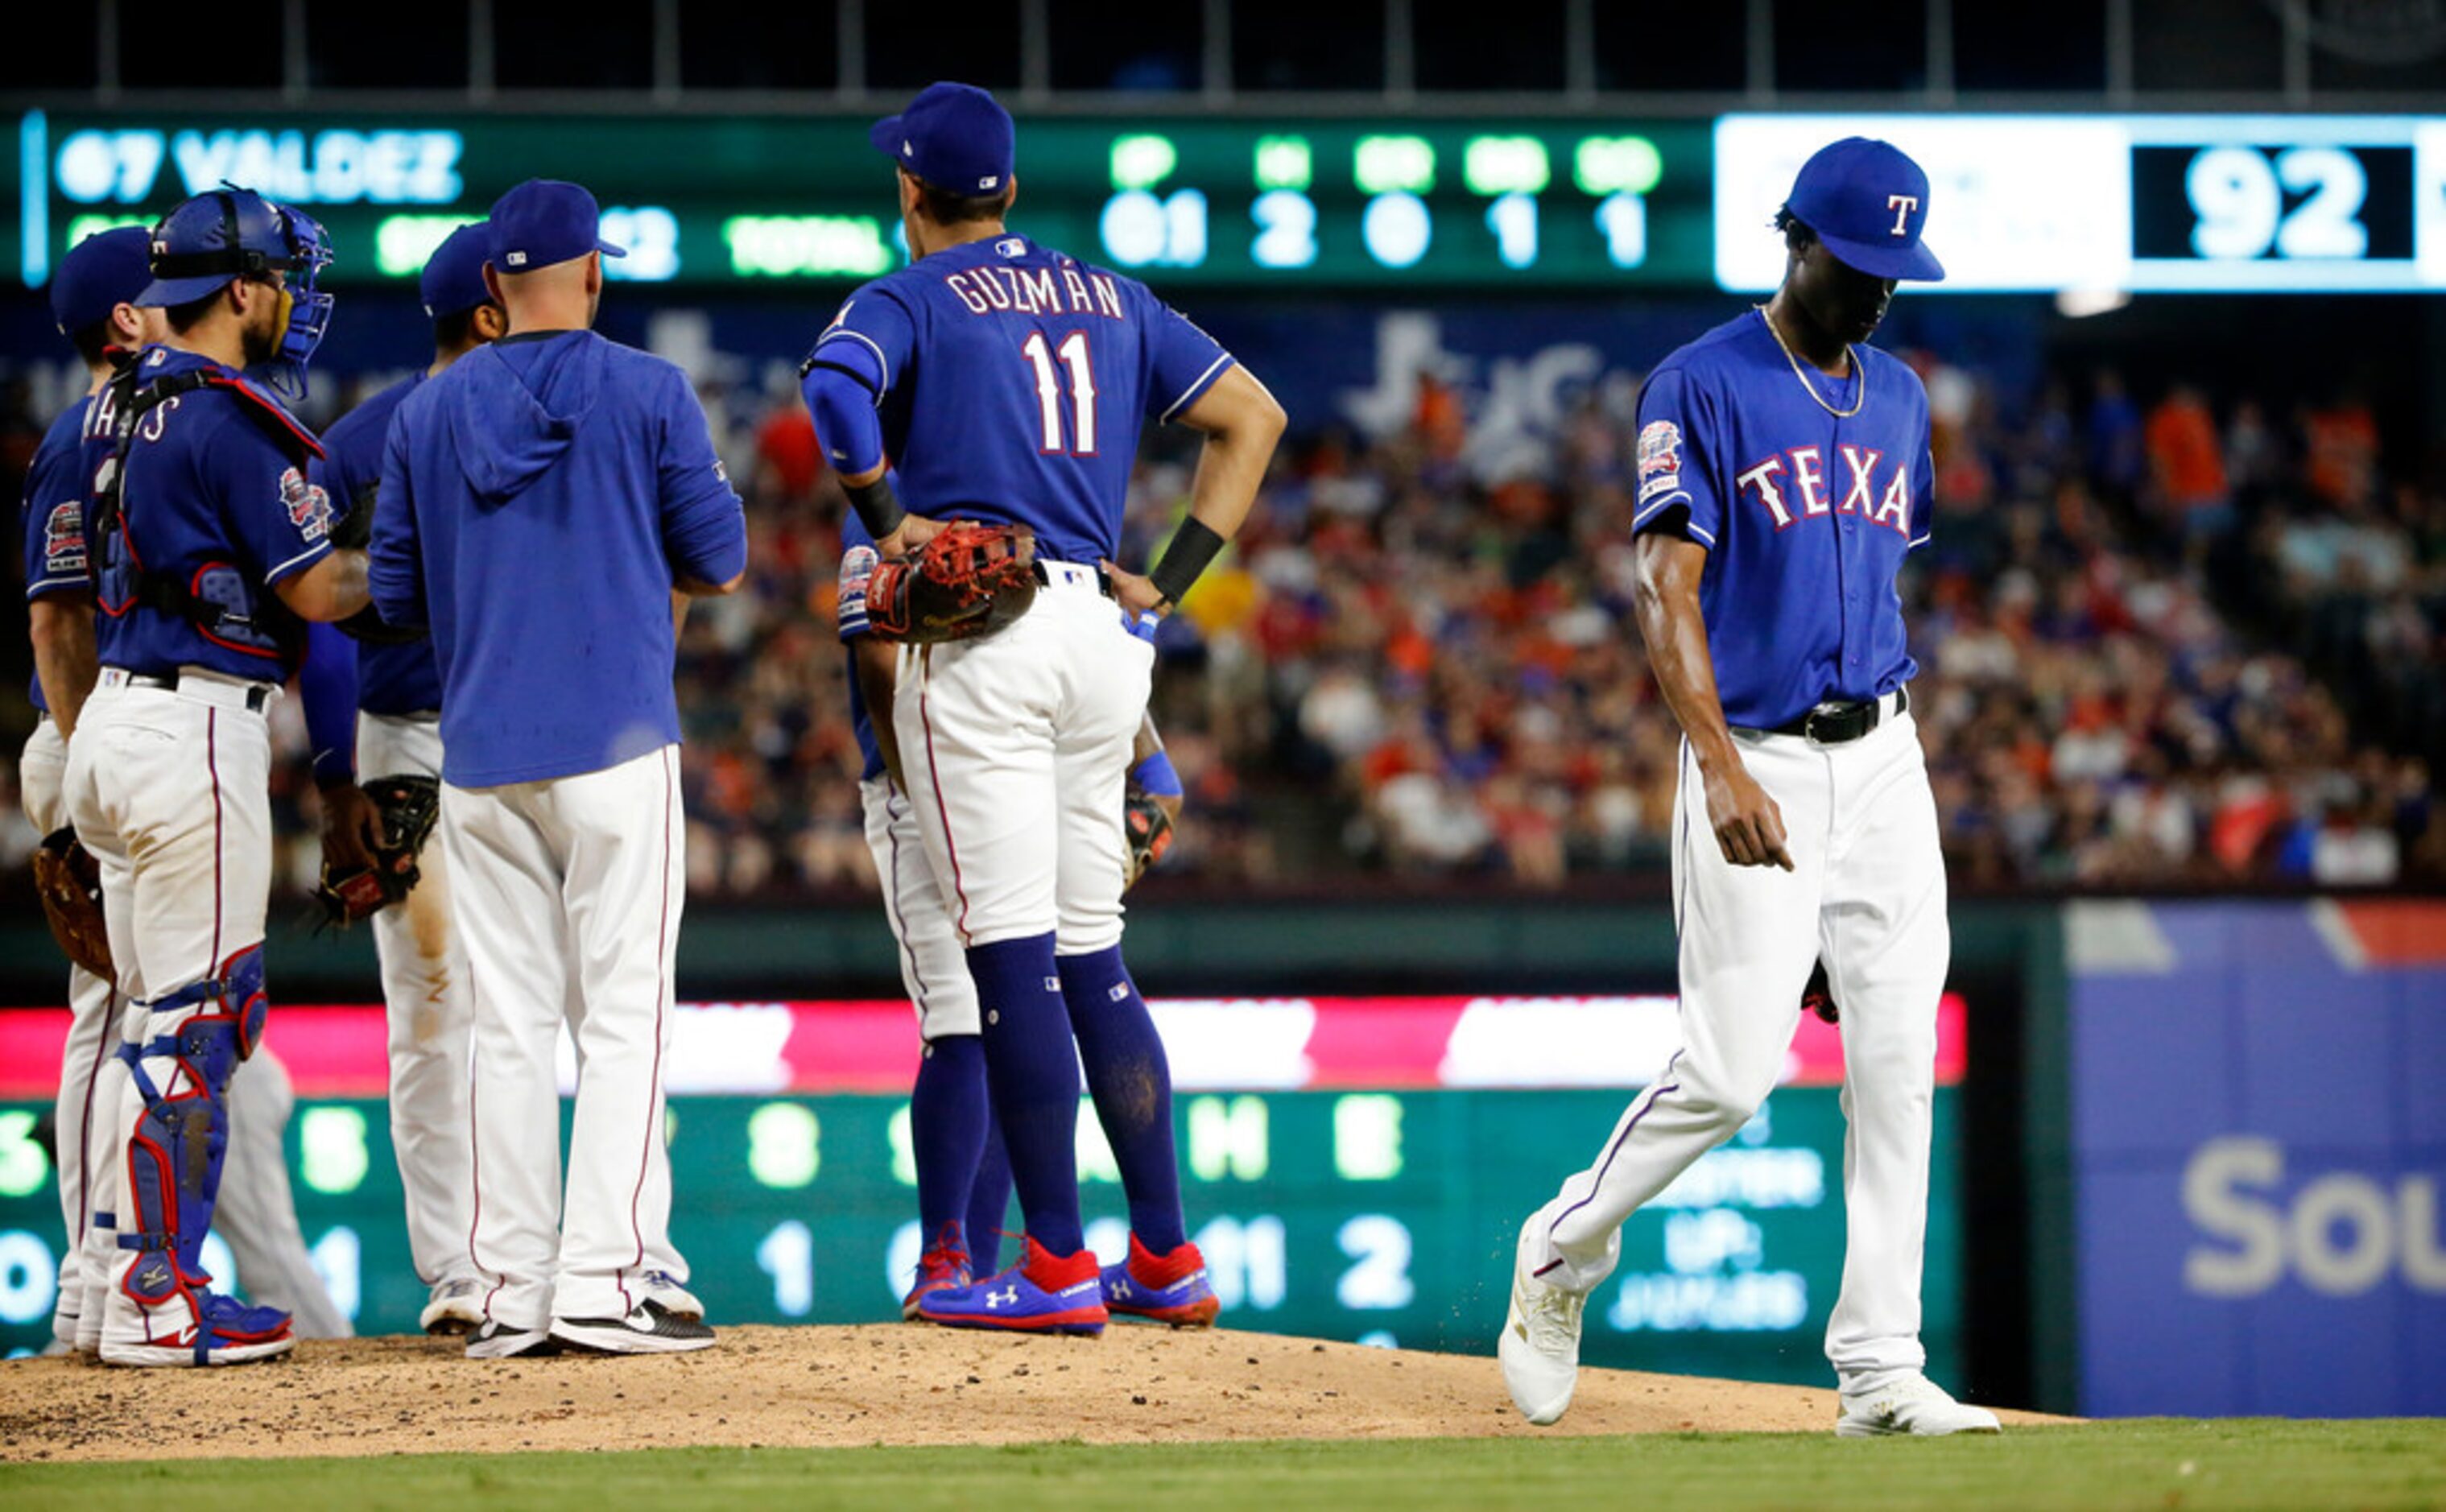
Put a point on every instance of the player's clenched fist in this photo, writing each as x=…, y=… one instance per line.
x=1747, y=823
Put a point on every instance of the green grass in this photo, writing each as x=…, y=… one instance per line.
x=2161, y=1466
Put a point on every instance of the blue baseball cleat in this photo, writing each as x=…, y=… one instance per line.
x=1045, y=1293
x=1162, y=1288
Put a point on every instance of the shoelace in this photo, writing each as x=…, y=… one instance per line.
x=1554, y=1318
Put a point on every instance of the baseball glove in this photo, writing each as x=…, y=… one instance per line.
x=1818, y=996
x=1150, y=830
x=409, y=806
x=69, y=883
x=967, y=581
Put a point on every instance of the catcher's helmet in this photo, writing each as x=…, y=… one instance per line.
x=232, y=232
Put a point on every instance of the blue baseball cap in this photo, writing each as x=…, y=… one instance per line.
x=545, y=221
x=453, y=279
x=955, y=136
x=100, y=273
x=1869, y=203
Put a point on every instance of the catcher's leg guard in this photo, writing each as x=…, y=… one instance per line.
x=181, y=1075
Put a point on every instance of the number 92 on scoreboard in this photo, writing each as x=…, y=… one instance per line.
x=2294, y=205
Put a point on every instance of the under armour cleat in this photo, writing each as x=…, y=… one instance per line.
x=1908, y=1403
x=454, y=1309
x=943, y=1268
x=1539, y=1347
x=1162, y=1288
x=664, y=1290
x=1046, y=1294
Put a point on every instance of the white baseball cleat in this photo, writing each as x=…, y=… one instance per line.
x=664, y=1288
x=1908, y=1403
x=1540, y=1346
x=456, y=1309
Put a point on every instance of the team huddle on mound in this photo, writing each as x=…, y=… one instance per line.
x=478, y=577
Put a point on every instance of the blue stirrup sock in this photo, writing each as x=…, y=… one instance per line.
x=1131, y=1082
x=1034, y=1074
x=946, y=1133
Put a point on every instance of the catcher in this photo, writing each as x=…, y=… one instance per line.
x=969, y=580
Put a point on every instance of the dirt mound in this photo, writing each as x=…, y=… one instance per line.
x=829, y=1388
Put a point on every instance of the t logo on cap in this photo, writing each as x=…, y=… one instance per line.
x=1866, y=201
x=1902, y=205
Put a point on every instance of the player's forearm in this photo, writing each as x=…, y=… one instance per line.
x=333, y=589
x=1243, y=425
x=878, y=677
x=64, y=654
x=1664, y=599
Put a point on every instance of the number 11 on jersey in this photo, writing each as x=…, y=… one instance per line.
x=1073, y=355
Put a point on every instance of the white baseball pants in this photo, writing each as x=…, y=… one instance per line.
x=934, y=967
x=170, y=792
x=93, y=1036
x=1868, y=896
x=567, y=893
x=1017, y=751
x=425, y=991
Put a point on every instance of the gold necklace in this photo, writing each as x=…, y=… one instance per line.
x=1850, y=356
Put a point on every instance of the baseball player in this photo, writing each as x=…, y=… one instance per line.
x=1783, y=474
x=93, y=299
x=209, y=546
x=1006, y=383
x=963, y=1170
x=545, y=500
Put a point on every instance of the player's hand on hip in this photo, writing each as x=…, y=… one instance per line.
x=1748, y=825
x=353, y=828
x=1134, y=593
x=913, y=532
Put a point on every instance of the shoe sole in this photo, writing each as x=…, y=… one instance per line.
x=1077, y=1320
x=1198, y=1314
x=612, y=1339
x=450, y=1325
x=159, y=1356
x=511, y=1347
x=1847, y=1429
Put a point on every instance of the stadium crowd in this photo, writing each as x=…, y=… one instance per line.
x=2162, y=643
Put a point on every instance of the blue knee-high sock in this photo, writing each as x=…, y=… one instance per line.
x=1033, y=1072
x=947, y=1133
x=989, y=1201
x=1131, y=1082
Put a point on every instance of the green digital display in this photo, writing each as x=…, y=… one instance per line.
x=1376, y=1217
x=1261, y=204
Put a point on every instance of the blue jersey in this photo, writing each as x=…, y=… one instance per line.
x=392, y=679
x=1011, y=381
x=538, y=500
x=858, y=559
x=210, y=499
x=1806, y=517
x=57, y=482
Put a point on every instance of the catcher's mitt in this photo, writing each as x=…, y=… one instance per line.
x=969, y=580
x=1818, y=996
x=68, y=880
x=409, y=806
x=1149, y=828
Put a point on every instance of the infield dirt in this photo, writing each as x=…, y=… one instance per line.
x=820, y=1387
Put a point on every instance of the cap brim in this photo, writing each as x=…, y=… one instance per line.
x=1915, y=262
x=163, y=293
x=607, y=250
x=885, y=137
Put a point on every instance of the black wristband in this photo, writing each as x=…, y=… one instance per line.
x=878, y=508
x=1191, y=552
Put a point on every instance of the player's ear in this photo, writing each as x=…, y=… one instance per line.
x=489, y=322
x=1012, y=198
x=493, y=286
x=126, y=324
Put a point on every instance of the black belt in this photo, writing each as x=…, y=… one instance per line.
x=256, y=696
x=1839, y=721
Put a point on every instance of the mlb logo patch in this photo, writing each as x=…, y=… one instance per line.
x=1010, y=247
x=310, y=508
x=1660, y=459
x=516, y=259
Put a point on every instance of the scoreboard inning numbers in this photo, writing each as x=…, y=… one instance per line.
x=1382, y=1213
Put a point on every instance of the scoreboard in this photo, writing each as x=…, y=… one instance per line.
x=1588, y=203
x=1353, y=1169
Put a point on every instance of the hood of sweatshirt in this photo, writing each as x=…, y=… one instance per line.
x=517, y=404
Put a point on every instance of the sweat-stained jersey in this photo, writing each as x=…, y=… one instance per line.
x=1806, y=517
x=58, y=482
x=1011, y=381
x=210, y=499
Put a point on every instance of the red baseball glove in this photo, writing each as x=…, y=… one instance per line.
x=969, y=580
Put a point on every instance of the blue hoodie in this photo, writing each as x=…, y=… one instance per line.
x=539, y=499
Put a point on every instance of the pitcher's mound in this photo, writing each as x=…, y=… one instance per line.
x=829, y=1388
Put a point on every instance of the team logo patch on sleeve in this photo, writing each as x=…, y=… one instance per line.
x=310, y=508
x=1660, y=459
x=64, y=540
